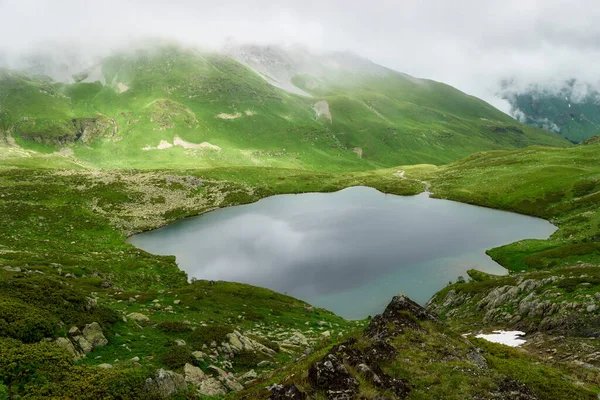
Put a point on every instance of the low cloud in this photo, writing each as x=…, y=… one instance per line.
x=470, y=44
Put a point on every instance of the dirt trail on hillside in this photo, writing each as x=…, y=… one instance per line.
x=401, y=174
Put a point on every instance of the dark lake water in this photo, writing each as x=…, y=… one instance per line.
x=348, y=251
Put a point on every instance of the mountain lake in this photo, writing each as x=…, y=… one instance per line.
x=348, y=251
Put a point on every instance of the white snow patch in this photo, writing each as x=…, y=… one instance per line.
x=509, y=338
x=229, y=116
x=187, y=145
x=177, y=141
x=164, y=145
x=161, y=146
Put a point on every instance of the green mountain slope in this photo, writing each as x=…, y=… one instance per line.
x=85, y=315
x=65, y=266
x=573, y=111
x=169, y=106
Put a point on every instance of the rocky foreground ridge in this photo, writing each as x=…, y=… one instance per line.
x=408, y=352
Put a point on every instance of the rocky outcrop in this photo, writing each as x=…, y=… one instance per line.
x=288, y=392
x=193, y=375
x=331, y=376
x=139, y=317
x=296, y=340
x=236, y=343
x=400, y=314
x=68, y=346
x=90, y=338
x=94, y=335
x=321, y=109
x=211, y=386
x=68, y=132
x=530, y=304
x=338, y=374
x=366, y=360
x=165, y=383
x=84, y=341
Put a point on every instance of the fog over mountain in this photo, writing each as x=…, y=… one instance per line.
x=469, y=44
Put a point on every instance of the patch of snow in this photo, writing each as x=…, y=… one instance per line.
x=164, y=145
x=509, y=338
x=229, y=116
x=177, y=141
x=161, y=146
x=249, y=113
x=187, y=145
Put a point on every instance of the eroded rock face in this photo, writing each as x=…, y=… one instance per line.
x=330, y=374
x=165, y=383
x=401, y=313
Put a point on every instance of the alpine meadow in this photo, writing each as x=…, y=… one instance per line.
x=96, y=150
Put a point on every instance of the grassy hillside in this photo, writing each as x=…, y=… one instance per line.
x=65, y=264
x=172, y=107
x=415, y=356
x=561, y=185
x=169, y=133
x=553, y=290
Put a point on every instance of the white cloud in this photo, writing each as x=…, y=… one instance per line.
x=470, y=44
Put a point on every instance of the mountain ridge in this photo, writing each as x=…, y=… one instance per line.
x=368, y=119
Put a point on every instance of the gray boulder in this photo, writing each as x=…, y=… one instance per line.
x=68, y=346
x=211, y=387
x=139, y=317
x=236, y=342
x=93, y=334
x=165, y=383
x=193, y=375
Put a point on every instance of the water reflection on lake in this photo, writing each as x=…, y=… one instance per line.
x=348, y=251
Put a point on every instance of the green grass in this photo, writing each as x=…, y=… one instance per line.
x=56, y=222
x=174, y=92
x=66, y=230
x=64, y=218
x=560, y=185
x=436, y=365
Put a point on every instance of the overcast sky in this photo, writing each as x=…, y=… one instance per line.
x=471, y=44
